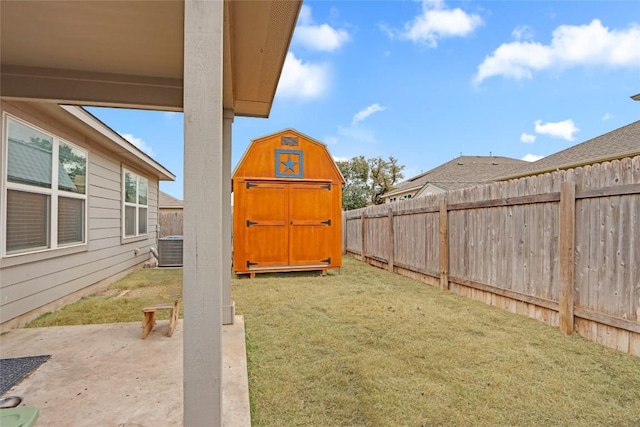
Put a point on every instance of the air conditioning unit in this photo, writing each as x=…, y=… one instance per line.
x=170, y=251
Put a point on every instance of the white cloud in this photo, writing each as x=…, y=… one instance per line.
x=522, y=32
x=138, y=142
x=607, y=116
x=331, y=140
x=531, y=157
x=170, y=115
x=340, y=159
x=437, y=21
x=527, y=138
x=318, y=37
x=302, y=79
x=363, y=114
x=564, y=129
x=571, y=46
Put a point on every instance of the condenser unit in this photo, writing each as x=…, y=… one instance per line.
x=170, y=251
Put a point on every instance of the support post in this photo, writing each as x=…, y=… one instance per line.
x=344, y=232
x=391, y=241
x=567, y=255
x=203, y=236
x=362, y=232
x=444, y=246
x=228, y=306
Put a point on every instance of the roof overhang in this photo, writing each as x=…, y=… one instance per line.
x=636, y=97
x=129, y=53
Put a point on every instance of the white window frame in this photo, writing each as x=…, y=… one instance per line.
x=137, y=205
x=54, y=193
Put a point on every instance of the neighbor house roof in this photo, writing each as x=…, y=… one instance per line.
x=31, y=165
x=617, y=144
x=461, y=172
x=167, y=201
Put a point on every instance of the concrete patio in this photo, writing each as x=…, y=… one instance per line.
x=106, y=375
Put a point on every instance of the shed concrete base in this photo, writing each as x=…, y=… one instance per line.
x=107, y=375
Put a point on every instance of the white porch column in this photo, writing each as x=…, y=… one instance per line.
x=228, y=306
x=203, y=211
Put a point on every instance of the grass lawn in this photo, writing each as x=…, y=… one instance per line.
x=363, y=347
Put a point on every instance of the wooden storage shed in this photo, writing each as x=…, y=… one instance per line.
x=287, y=195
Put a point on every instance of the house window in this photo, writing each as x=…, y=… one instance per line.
x=135, y=204
x=46, y=199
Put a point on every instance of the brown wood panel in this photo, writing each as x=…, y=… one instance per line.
x=264, y=224
x=514, y=247
x=310, y=222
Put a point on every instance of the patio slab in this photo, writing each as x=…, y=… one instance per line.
x=103, y=375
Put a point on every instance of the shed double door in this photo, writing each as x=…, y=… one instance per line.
x=287, y=224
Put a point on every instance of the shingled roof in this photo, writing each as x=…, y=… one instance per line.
x=168, y=201
x=461, y=172
x=617, y=144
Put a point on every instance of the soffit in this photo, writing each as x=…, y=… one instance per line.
x=141, y=43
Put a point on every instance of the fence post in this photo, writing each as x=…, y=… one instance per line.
x=362, y=232
x=391, y=241
x=444, y=246
x=344, y=233
x=567, y=255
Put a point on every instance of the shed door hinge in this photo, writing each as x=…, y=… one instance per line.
x=327, y=186
x=249, y=264
x=251, y=184
x=327, y=222
x=250, y=223
x=328, y=260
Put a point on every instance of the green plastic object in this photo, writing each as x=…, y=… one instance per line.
x=22, y=416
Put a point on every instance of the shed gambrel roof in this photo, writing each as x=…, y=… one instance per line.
x=617, y=144
x=321, y=144
x=461, y=172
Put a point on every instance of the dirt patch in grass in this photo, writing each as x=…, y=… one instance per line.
x=368, y=348
x=122, y=301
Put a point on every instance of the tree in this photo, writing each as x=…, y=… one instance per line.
x=384, y=174
x=355, y=193
x=366, y=180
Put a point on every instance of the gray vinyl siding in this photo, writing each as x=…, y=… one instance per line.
x=46, y=277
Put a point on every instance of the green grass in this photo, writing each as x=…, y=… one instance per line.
x=368, y=348
x=362, y=347
x=121, y=302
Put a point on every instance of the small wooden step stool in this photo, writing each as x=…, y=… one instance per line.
x=149, y=317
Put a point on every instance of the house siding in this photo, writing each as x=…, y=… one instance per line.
x=33, y=281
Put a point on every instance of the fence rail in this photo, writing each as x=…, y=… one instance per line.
x=563, y=248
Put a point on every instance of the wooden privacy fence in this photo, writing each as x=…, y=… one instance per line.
x=563, y=248
x=171, y=222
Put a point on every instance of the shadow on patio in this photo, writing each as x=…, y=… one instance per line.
x=107, y=375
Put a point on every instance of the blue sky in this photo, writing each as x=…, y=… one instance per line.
x=424, y=81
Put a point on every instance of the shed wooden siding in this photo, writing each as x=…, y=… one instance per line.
x=283, y=207
x=32, y=281
x=508, y=247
